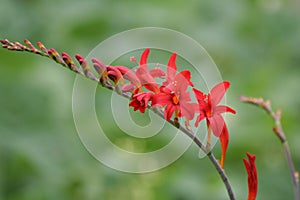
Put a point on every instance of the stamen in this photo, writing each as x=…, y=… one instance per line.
x=175, y=99
x=133, y=59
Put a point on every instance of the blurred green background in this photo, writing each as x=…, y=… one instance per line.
x=255, y=44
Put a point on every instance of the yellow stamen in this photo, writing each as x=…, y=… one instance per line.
x=175, y=99
x=140, y=89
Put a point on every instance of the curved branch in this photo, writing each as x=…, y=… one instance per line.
x=278, y=130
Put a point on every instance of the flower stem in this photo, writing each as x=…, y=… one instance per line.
x=213, y=160
x=278, y=130
x=294, y=173
x=208, y=136
x=222, y=174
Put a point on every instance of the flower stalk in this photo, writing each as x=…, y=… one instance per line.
x=278, y=130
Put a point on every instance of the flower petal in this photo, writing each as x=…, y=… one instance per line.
x=172, y=62
x=187, y=110
x=99, y=66
x=171, y=68
x=135, y=104
x=224, y=139
x=200, y=96
x=217, y=124
x=218, y=91
x=185, y=77
x=114, y=74
x=144, y=96
x=252, y=176
x=146, y=79
x=199, y=119
x=144, y=56
x=140, y=101
x=128, y=87
x=161, y=99
x=129, y=75
x=169, y=111
x=221, y=109
x=157, y=73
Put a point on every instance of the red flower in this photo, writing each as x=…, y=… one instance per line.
x=252, y=176
x=141, y=77
x=146, y=77
x=106, y=71
x=173, y=94
x=172, y=70
x=209, y=109
x=178, y=102
x=140, y=101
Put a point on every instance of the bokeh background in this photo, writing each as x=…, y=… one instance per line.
x=255, y=44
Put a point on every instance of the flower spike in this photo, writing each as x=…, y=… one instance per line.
x=172, y=96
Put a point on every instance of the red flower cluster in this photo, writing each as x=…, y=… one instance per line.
x=173, y=95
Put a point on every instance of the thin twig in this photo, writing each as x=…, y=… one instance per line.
x=278, y=130
x=52, y=54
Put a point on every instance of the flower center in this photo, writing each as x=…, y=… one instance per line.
x=175, y=99
x=208, y=113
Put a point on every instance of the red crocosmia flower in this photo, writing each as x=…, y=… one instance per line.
x=131, y=76
x=128, y=74
x=178, y=102
x=114, y=74
x=211, y=111
x=252, y=176
x=173, y=94
x=140, y=101
x=99, y=66
x=106, y=71
x=172, y=73
x=145, y=76
x=101, y=69
x=128, y=87
x=142, y=76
